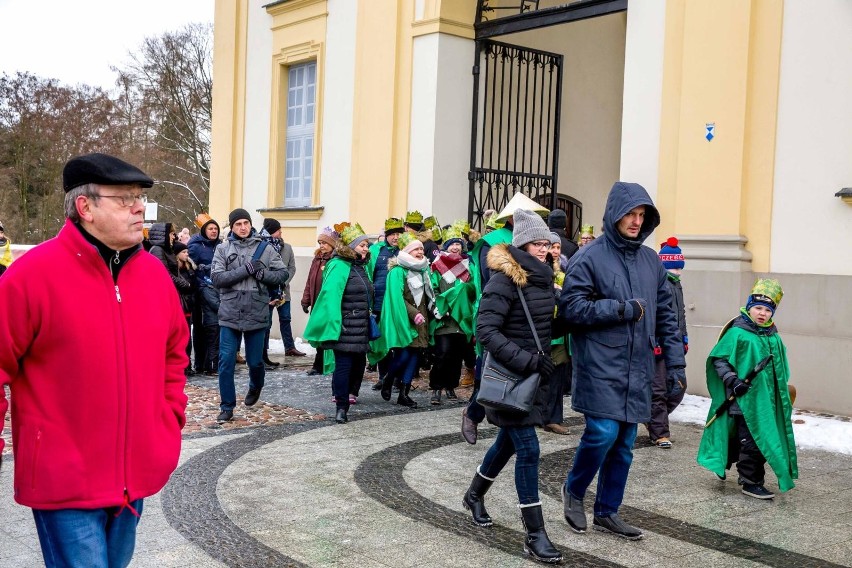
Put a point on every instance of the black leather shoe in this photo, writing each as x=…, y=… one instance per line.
x=574, y=512
x=225, y=416
x=378, y=385
x=270, y=363
x=340, y=417
x=252, y=396
x=616, y=526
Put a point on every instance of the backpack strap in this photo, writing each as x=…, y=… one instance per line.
x=258, y=252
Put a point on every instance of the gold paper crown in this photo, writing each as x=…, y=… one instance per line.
x=770, y=288
x=405, y=239
x=437, y=234
x=493, y=223
x=393, y=224
x=587, y=230
x=462, y=226
x=413, y=217
x=430, y=222
x=350, y=233
x=201, y=219
x=453, y=233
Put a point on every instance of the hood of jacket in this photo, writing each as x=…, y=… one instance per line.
x=623, y=197
x=520, y=266
x=200, y=238
x=158, y=235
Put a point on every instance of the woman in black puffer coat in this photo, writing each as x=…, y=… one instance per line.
x=504, y=331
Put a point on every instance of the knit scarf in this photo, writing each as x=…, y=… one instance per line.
x=451, y=266
x=417, y=277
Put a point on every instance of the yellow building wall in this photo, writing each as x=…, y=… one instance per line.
x=721, y=66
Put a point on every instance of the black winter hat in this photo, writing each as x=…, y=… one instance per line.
x=236, y=215
x=102, y=169
x=557, y=219
x=178, y=246
x=271, y=225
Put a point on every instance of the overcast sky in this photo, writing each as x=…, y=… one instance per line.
x=76, y=41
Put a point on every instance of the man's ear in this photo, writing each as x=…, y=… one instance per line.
x=84, y=208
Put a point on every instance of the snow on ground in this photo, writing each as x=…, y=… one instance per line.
x=276, y=346
x=811, y=432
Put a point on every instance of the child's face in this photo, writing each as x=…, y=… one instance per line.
x=183, y=255
x=760, y=314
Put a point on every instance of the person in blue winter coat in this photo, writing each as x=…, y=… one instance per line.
x=619, y=305
x=205, y=322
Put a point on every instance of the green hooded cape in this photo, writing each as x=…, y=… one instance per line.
x=766, y=406
x=326, y=319
x=455, y=302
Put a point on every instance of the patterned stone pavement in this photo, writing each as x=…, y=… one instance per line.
x=284, y=486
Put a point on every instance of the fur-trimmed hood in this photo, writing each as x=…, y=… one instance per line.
x=518, y=265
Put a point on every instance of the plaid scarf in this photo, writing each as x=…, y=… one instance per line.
x=451, y=266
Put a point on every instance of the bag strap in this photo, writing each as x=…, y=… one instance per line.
x=529, y=318
x=258, y=252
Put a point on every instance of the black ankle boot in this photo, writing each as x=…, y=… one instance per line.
x=341, y=417
x=387, y=385
x=537, y=544
x=474, y=499
x=378, y=385
x=403, y=397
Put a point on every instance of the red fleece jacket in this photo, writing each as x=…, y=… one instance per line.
x=96, y=384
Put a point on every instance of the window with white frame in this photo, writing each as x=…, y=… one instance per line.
x=301, y=117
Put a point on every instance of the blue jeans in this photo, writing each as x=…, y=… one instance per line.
x=90, y=538
x=229, y=344
x=511, y=440
x=404, y=365
x=347, y=377
x=283, y=325
x=606, y=447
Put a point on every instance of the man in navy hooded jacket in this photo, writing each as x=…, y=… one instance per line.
x=616, y=300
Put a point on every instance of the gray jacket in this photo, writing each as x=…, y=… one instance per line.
x=613, y=355
x=243, y=300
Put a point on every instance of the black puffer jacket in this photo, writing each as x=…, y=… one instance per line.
x=161, y=247
x=502, y=325
x=355, y=305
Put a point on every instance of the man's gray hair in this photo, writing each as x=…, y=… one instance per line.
x=86, y=190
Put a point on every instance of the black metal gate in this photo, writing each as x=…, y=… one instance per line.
x=517, y=94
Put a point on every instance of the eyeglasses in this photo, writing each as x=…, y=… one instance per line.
x=540, y=244
x=127, y=200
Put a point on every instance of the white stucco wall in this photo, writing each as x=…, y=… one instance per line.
x=813, y=159
x=258, y=111
x=338, y=105
x=439, y=151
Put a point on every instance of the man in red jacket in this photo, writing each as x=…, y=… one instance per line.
x=94, y=358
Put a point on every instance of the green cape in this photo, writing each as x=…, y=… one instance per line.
x=397, y=330
x=766, y=407
x=326, y=319
x=498, y=237
x=455, y=302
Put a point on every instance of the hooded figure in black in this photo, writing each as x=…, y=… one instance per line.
x=619, y=305
x=558, y=221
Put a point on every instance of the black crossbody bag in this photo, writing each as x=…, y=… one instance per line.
x=503, y=389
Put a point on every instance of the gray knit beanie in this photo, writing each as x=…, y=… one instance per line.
x=529, y=227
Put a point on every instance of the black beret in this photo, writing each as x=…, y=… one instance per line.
x=102, y=169
x=271, y=225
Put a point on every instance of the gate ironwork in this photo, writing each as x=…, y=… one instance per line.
x=517, y=94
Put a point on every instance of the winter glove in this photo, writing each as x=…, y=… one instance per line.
x=740, y=387
x=544, y=365
x=675, y=381
x=633, y=309
x=419, y=319
x=253, y=266
x=305, y=308
x=259, y=275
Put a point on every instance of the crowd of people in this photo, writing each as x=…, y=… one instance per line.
x=601, y=319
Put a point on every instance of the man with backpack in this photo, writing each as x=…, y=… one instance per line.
x=243, y=268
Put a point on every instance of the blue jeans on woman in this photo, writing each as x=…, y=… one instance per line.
x=521, y=441
x=90, y=538
x=606, y=446
x=404, y=365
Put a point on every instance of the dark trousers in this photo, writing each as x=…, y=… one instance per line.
x=475, y=411
x=347, y=377
x=211, y=356
x=662, y=404
x=319, y=360
x=743, y=449
x=404, y=365
x=189, y=344
x=469, y=355
x=199, y=336
x=446, y=365
x=555, y=412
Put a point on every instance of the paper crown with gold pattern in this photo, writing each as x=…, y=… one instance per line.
x=765, y=292
x=328, y=235
x=405, y=239
x=462, y=226
x=492, y=222
x=394, y=225
x=431, y=222
x=452, y=234
x=414, y=218
x=350, y=232
x=587, y=230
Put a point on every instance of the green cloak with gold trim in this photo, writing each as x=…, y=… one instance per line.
x=766, y=406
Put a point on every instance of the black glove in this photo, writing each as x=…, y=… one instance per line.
x=739, y=387
x=259, y=274
x=253, y=266
x=544, y=365
x=305, y=308
x=675, y=381
x=633, y=309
